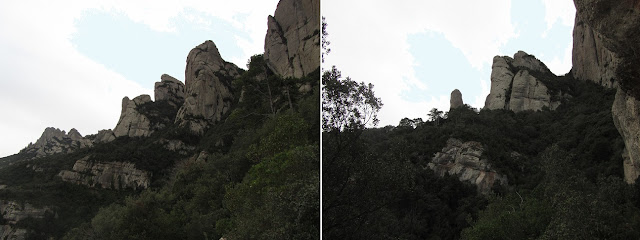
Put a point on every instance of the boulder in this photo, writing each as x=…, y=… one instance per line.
x=292, y=43
x=456, y=99
x=132, y=123
x=515, y=84
x=464, y=159
x=110, y=175
x=207, y=88
x=169, y=89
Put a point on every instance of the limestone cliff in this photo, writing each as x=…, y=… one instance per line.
x=292, y=43
x=464, y=160
x=616, y=24
x=516, y=84
x=111, y=175
x=53, y=141
x=207, y=88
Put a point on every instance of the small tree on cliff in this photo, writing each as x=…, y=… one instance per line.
x=435, y=115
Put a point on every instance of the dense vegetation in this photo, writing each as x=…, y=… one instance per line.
x=565, y=183
x=258, y=177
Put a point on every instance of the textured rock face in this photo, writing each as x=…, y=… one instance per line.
x=513, y=86
x=169, y=89
x=527, y=93
x=456, y=99
x=591, y=60
x=617, y=23
x=104, y=136
x=626, y=117
x=292, y=43
x=55, y=141
x=111, y=175
x=12, y=212
x=132, y=123
x=207, y=89
x=464, y=160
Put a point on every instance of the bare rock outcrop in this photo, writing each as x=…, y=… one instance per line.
x=53, y=141
x=516, y=84
x=13, y=212
x=626, y=117
x=616, y=24
x=456, y=99
x=207, y=88
x=132, y=123
x=591, y=60
x=292, y=43
x=104, y=136
x=464, y=159
x=169, y=89
x=110, y=175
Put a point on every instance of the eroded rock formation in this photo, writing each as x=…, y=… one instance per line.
x=169, y=89
x=616, y=24
x=207, y=88
x=591, y=60
x=456, y=99
x=132, y=123
x=13, y=212
x=464, y=160
x=53, y=141
x=111, y=175
x=292, y=43
x=516, y=84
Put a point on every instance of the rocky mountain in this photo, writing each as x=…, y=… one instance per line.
x=292, y=43
x=197, y=143
x=608, y=55
x=464, y=159
x=456, y=99
x=54, y=141
x=517, y=84
x=207, y=88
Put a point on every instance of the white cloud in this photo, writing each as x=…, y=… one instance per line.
x=47, y=82
x=369, y=43
x=558, y=11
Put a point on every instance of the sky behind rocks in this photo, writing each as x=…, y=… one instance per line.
x=68, y=64
x=417, y=52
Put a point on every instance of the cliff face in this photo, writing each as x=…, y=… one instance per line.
x=464, y=160
x=515, y=84
x=615, y=25
x=592, y=61
x=207, y=88
x=140, y=117
x=292, y=43
x=132, y=123
x=110, y=175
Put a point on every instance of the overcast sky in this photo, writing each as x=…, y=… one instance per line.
x=417, y=52
x=68, y=64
